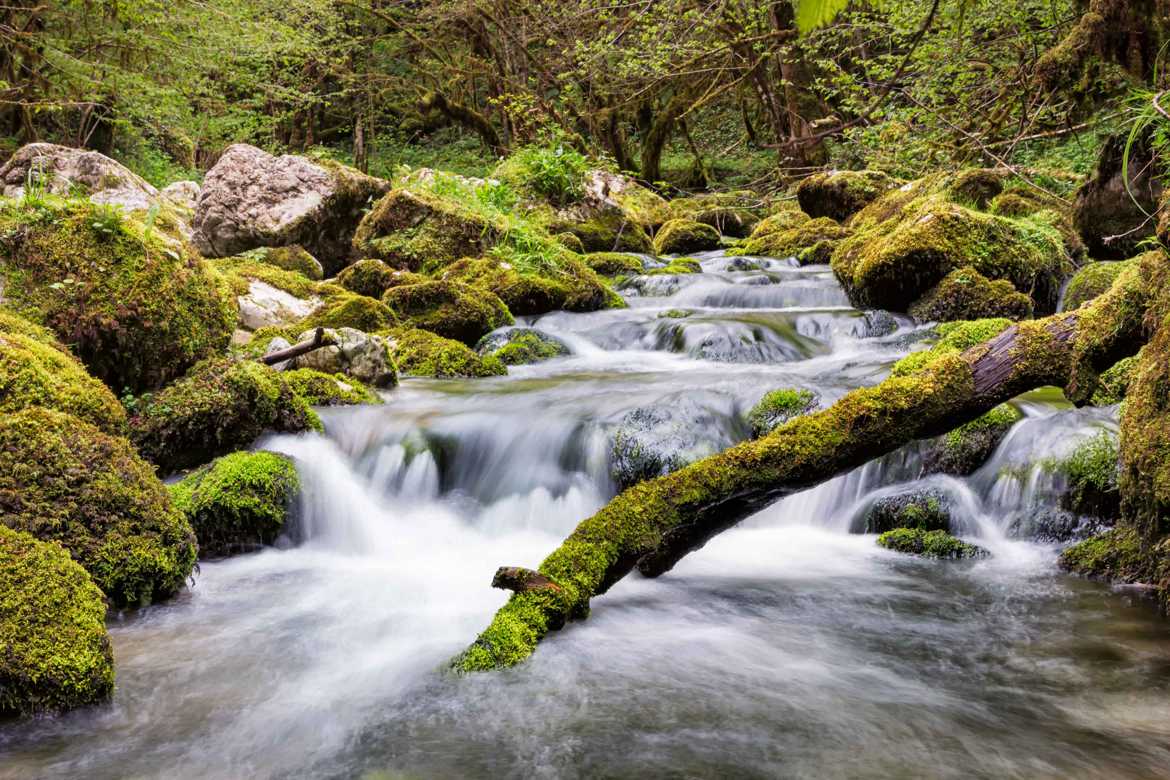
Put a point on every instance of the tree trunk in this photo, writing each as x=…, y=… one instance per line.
x=468, y=117
x=653, y=525
x=659, y=133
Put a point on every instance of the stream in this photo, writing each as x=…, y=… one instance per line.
x=787, y=647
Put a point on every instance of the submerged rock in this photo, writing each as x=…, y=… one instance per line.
x=929, y=544
x=239, y=502
x=252, y=199
x=518, y=346
x=1053, y=525
x=64, y=480
x=56, y=653
x=655, y=440
x=778, y=407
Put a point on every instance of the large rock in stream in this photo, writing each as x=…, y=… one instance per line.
x=251, y=199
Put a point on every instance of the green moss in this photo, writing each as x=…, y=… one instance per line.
x=966, y=294
x=527, y=347
x=350, y=310
x=62, y=479
x=238, y=502
x=841, y=194
x=449, y=309
x=954, y=337
x=608, y=231
x=52, y=630
x=731, y=213
x=1117, y=554
x=1092, y=281
x=221, y=406
x=811, y=242
x=422, y=353
x=373, y=278
x=674, y=314
x=644, y=207
x=136, y=308
x=421, y=231
x=928, y=544
x=570, y=242
x=614, y=263
x=920, y=510
x=287, y=258
x=36, y=373
x=963, y=450
x=677, y=266
x=11, y=322
x=1092, y=473
x=320, y=389
x=684, y=236
x=571, y=287
x=778, y=407
x=240, y=271
x=1114, y=383
x=786, y=216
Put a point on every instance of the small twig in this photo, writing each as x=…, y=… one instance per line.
x=296, y=350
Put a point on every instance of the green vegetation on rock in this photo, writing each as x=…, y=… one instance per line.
x=841, y=194
x=1091, y=281
x=449, y=309
x=682, y=236
x=966, y=294
x=238, y=502
x=422, y=353
x=56, y=654
x=64, y=480
x=966, y=448
x=615, y=263
x=350, y=310
x=954, y=337
x=778, y=407
x=811, y=241
x=928, y=544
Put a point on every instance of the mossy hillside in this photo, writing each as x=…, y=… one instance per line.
x=449, y=309
x=1093, y=280
x=633, y=524
x=614, y=263
x=138, y=309
x=963, y=450
x=1114, y=383
x=731, y=213
x=841, y=194
x=966, y=294
x=350, y=310
x=62, y=479
x=571, y=287
x=778, y=407
x=220, y=406
x=425, y=354
x=682, y=236
x=811, y=242
x=372, y=278
x=53, y=642
x=928, y=544
x=894, y=263
x=953, y=338
x=36, y=373
x=238, y=502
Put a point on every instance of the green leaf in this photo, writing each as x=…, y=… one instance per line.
x=811, y=14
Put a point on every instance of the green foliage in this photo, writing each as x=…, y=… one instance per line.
x=954, y=337
x=238, y=502
x=811, y=14
x=554, y=171
x=52, y=627
x=1092, y=473
x=66, y=481
x=928, y=544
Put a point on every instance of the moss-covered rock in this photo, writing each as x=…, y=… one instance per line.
x=241, y=271
x=56, y=654
x=520, y=346
x=1117, y=555
x=137, y=309
x=293, y=258
x=419, y=231
x=811, y=241
x=350, y=310
x=1145, y=435
x=425, y=354
x=62, y=479
x=677, y=266
x=321, y=389
x=36, y=372
x=610, y=230
x=953, y=338
x=841, y=194
x=221, y=406
x=929, y=544
x=363, y=356
x=674, y=314
x=785, y=216
x=238, y=502
x=1092, y=281
x=372, y=278
x=1114, y=382
x=966, y=448
x=731, y=213
x=572, y=286
x=915, y=510
x=778, y=407
x=614, y=263
x=966, y=294
x=570, y=242
x=682, y=236
x=449, y=309
x=1092, y=474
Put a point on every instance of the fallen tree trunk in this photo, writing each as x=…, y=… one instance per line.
x=654, y=524
x=296, y=350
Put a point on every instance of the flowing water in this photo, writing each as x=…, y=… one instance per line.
x=787, y=647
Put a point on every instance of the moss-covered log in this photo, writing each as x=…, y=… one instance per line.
x=654, y=524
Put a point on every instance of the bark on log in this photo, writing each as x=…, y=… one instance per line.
x=652, y=525
x=296, y=350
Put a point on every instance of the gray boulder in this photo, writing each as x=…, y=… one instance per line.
x=363, y=356
x=655, y=440
x=252, y=199
x=62, y=170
